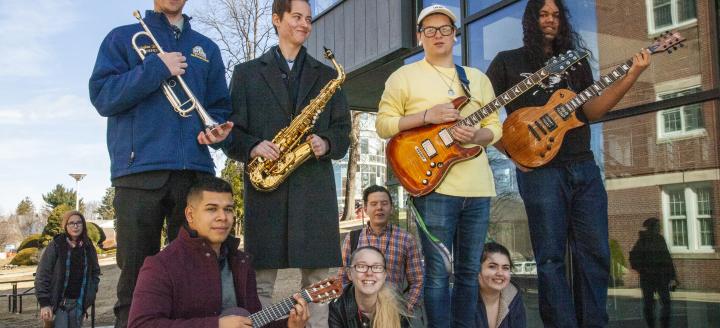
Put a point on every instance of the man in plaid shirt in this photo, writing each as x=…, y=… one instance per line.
x=403, y=260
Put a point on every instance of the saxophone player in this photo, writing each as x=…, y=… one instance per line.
x=296, y=224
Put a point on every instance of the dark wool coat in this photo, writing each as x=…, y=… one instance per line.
x=295, y=225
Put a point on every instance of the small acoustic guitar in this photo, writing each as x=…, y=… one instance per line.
x=532, y=136
x=421, y=157
x=321, y=292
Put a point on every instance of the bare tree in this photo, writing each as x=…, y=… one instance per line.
x=354, y=156
x=242, y=28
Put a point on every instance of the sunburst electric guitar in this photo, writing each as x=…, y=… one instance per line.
x=421, y=157
x=532, y=136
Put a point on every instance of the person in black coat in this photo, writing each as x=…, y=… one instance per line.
x=650, y=257
x=367, y=301
x=295, y=225
x=68, y=274
x=500, y=303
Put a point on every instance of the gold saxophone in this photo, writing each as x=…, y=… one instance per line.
x=266, y=175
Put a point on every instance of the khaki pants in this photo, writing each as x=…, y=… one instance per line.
x=266, y=285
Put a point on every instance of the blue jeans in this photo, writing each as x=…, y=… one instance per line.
x=461, y=224
x=568, y=206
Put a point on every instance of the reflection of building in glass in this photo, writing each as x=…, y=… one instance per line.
x=371, y=164
x=665, y=164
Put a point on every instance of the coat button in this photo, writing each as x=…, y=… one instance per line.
x=207, y=254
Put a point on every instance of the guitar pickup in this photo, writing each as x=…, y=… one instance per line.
x=446, y=138
x=534, y=133
x=540, y=127
x=420, y=153
x=548, y=122
x=429, y=148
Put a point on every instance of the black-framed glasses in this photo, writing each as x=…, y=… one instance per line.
x=74, y=224
x=429, y=31
x=362, y=268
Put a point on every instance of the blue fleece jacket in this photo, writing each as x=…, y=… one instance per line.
x=143, y=131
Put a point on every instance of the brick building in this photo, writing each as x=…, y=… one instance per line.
x=664, y=164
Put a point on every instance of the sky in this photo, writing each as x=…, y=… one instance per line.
x=48, y=128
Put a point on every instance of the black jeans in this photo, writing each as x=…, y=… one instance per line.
x=140, y=214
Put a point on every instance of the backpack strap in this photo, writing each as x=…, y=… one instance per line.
x=354, y=238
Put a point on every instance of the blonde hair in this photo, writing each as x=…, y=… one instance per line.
x=390, y=307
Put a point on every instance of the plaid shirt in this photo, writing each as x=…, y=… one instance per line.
x=402, y=257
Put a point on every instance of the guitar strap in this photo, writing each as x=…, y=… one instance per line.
x=463, y=80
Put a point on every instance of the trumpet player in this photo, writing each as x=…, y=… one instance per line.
x=157, y=150
x=296, y=224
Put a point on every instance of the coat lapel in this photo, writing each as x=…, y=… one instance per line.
x=310, y=75
x=274, y=81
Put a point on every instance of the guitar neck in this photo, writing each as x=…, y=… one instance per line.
x=276, y=311
x=504, y=99
x=595, y=89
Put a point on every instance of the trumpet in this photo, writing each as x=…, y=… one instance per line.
x=181, y=107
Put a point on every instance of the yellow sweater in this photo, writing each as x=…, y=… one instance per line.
x=418, y=86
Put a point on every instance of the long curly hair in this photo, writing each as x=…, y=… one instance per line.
x=533, y=37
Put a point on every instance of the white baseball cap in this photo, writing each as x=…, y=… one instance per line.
x=436, y=9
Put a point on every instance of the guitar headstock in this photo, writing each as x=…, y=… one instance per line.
x=560, y=63
x=324, y=291
x=668, y=41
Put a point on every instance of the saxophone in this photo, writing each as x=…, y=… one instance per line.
x=266, y=175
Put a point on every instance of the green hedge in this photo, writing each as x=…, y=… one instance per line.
x=32, y=241
x=28, y=256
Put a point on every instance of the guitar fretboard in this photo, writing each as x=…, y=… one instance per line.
x=594, y=90
x=504, y=99
x=276, y=311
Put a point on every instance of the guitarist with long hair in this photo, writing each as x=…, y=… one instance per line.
x=457, y=211
x=565, y=199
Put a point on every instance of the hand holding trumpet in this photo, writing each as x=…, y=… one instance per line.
x=174, y=61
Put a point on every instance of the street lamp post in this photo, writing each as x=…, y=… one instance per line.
x=77, y=177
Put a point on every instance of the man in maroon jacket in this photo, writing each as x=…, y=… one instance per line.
x=201, y=279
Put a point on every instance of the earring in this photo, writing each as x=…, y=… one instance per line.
x=419, y=43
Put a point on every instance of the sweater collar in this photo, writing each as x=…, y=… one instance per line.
x=156, y=18
x=189, y=237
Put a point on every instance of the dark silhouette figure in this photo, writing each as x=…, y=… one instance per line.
x=650, y=257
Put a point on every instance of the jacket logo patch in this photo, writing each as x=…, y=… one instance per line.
x=199, y=53
x=149, y=48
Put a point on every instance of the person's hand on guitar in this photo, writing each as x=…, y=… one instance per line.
x=266, y=150
x=441, y=113
x=235, y=321
x=300, y=313
x=470, y=134
x=641, y=61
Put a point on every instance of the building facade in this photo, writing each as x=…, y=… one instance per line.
x=658, y=148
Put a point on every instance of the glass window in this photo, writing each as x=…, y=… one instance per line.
x=474, y=6
x=688, y=210
x=669, y=14
x=681, y=121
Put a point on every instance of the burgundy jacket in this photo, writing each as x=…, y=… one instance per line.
x=180, y=286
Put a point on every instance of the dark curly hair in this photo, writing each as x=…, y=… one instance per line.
x=533, y=37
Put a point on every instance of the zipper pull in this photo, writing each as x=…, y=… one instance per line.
x=132, y=158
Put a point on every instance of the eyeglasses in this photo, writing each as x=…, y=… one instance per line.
x=74, y=224
x=362, y=268
x=429, y=31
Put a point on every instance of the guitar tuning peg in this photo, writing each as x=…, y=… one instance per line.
x=682, y=45
x=675, y=48
x=669, y=51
